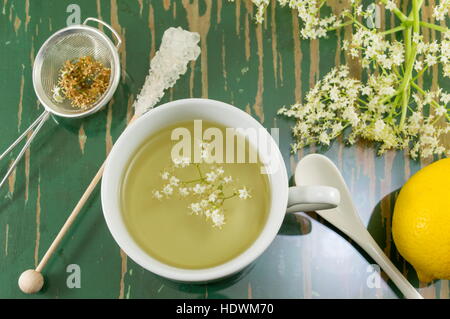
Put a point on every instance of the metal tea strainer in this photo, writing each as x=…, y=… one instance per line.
x=68, y=44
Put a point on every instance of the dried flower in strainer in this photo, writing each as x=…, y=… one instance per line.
x=83, y=81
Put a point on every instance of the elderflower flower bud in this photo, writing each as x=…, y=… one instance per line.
x=243, y=193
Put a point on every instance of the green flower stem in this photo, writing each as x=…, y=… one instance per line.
x=362, y=101
x=393, y=112
x=393, y=30
x=416, y=16
x=397, y=12
x=388, y=98
x=340, y=25
x=418, y=88
x=421, y=91
x=199, y=170
x=350, y=16
x=201, y=179
x=433, y=102
x=447, y=116
x=411, y=51
x=406, y=76
x=433, y=26
x=193, y=181
x=359, y=24
x=394, y=68
x=408, y=43
x=420, y=73
x=321, y=4
x=228, y=197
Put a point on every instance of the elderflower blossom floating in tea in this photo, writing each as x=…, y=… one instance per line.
x=208, y=188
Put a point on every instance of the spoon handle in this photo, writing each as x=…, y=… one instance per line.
x=366, y=241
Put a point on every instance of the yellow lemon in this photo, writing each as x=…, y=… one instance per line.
x=421, y=221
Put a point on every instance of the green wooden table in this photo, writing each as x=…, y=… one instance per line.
x=256, y=68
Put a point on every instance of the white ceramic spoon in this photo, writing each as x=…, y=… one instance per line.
x=316, y=169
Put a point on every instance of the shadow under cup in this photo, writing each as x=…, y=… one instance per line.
x=159, y=119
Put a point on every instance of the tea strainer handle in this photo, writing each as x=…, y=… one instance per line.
x=37, y=124
x=110, y=28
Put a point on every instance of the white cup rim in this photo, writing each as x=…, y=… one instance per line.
x=125, y=147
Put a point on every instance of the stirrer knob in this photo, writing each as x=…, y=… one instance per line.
x=31, y=281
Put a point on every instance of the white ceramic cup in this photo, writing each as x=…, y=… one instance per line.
x=283, y=198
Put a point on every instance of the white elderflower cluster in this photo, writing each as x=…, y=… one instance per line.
x=427, y=131
x=441, y=10
x=372, y=47
x=390, y=5
x=431, y=53
x=313, y=25
x=206, y=191
x=388, y=106
x=261, y=6
x=329, y=109
x=338, y=102
x=58, y=94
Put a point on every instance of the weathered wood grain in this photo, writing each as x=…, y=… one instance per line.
x=256, y=68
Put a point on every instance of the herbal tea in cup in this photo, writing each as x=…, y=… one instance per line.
x=194, y=213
